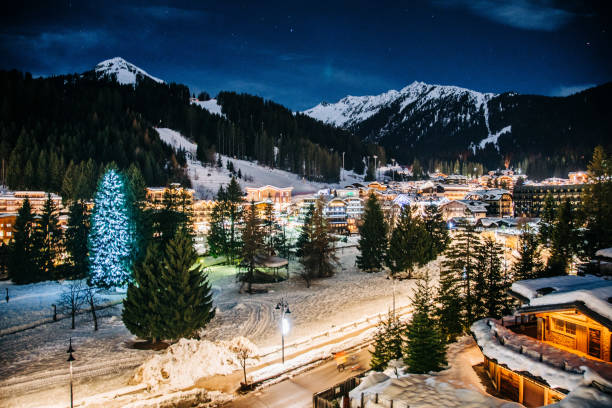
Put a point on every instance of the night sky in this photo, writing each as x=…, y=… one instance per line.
x=300, y=53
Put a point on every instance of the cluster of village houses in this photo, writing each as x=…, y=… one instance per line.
x=499, y=199
x=556, y=346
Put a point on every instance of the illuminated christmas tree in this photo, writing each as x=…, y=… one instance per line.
x=112, y=234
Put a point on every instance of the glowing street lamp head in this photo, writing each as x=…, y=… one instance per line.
x=285, y=326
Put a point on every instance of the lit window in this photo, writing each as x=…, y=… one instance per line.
x=8, y=234
x=570, y=328
x=559, y=324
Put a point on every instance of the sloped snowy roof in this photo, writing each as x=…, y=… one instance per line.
x=594, y=292
x=606, y=253
x=559, y=368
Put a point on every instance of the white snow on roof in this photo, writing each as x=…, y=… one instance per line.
x=606, y=253
x=210, y=105
x=591, y=290
x=124, y=72
x=510, y=356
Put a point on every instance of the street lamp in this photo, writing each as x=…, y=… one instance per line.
x=283, y=306
x=70, y=360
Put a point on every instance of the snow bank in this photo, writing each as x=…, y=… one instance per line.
x=188, y=360
x=418, y=390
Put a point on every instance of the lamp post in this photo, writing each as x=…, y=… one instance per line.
x=70, y=360
x=375, y=171
x=283, y=306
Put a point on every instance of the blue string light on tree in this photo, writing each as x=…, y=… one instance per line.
x=112, y=234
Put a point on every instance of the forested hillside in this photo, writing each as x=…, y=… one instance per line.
x=70, y=126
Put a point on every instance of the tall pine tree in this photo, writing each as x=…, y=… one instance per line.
x=489, y=285
x=408, y=245
x=186, y=302
x=76, y=241
x=529, y=265
x=112, y=235
x=141, y=308
x=388, y=342
x=23, y=253
x=424, y=349
x=597, y=204
x=460, y=263
x=252, y=243
x=373, y=237
x=48, y=235
x=318, y=254
x=547, y=219
x=436, y=230
x=563, y=245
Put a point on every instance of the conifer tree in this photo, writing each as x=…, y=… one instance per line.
x=48, y=237
x=76, y=241
x=373, y=240
x=449, y=313
x=318, y=254
x=597, y=204
x=436, y=229
x=460, y=262
x=529, y=264
x=141, y=308
x=23, y=254
x=217, y=236
x=424, y=349
x=186, y=299
x=388, y=342
x=408, y=244
x=252, y=243
x=233, y=197
x=269, y=227
x=489, y=285
x=112, y=233
x=564, y=241
x=370, y=174
x=547, y=219
x=305, y=233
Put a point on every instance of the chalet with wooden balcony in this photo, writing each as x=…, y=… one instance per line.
x=557, y=344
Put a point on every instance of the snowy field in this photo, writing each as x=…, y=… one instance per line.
x=35, y=367
x=206, y=180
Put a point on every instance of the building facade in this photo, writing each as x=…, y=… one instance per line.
x=275, y=194
x=529, y=199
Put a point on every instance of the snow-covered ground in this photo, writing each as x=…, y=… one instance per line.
x=35, y=367
x=206, y=180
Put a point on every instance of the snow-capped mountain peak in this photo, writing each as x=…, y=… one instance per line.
x=122, y=71
x=351, y=110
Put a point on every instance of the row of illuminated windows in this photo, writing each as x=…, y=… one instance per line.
x=8, y=233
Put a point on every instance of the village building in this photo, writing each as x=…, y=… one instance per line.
x=469, y=209
x=155, y=195
x=275, y=194
x=529, y=198
x=556, y=345
x=11, y=201
x=499, y=201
